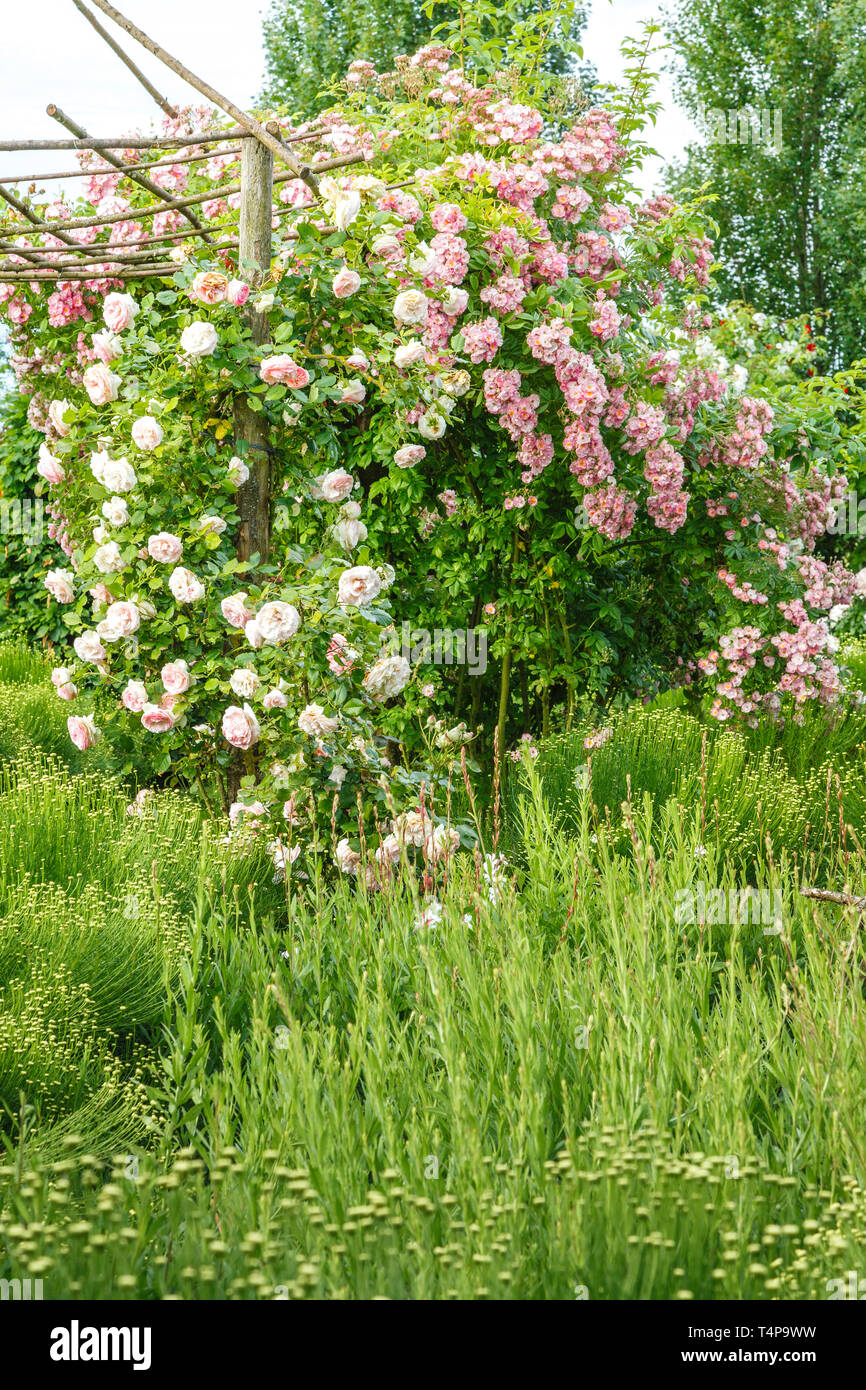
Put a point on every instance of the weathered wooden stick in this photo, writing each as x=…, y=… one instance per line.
x=826, y=895
x=132, y=214
x=99, y=253
x=130, y=142
x=28, y=213
x=248, y=122
x=38, y=275
x=137, y=177
x=124, y=168
x=161, y=101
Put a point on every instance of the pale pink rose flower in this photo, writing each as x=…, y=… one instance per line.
x=83, y=731
x=121, y=620
x=387, y=677
x=175, y=677
x=157, y=720
x=134, y=696
x=285, y=370
x=56, y=411
x=359, y=360
x=116, y=511
x=275, y=699
x=89, y=648
x=410, y=306
x=238, y=472
x=108, y=559
x=209, y=287
x=348, y=859
x=409, y=455
x=407, y=354
x=244, y=682
x=184, y=585
x=100, y=384
x=240, y=727
x=254, y=635
x=48, y=467
x=118, y=311
x=100, y=593
x=108, y=347
x=199, y=339
x=60, y=675
x=358, y=586
x=238, y=293
x=336, y=485
x=455, y=302
x=67, y=691
x=60, y=585
x=346, y=282
x=354, y=392
x=277, y=622
x=147, y=433
x=350, y=532
x=118, y=475
x=234, y=610
x=165, y=548
x=313, y=721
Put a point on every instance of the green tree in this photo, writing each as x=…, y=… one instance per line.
x=777, y=86
x=310, y=43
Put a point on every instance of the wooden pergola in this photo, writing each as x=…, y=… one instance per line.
x=249, y=236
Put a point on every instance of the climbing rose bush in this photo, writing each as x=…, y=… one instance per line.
x=486, y=317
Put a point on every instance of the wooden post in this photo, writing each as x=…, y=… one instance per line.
x=254, y=256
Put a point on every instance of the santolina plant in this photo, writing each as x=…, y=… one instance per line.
x=485, y=309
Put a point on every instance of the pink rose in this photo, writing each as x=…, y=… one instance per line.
x=175, y=677
x=336, y=485
x=354, y=392
x=134, y=696
x=238, y=293
x=358, y=586
x=409, y=455
x=82, y=731
x=147, y=433
x=165, y=548
x=121, y=620
x=346, y=282
x=49, y=467
x=157, y=720
x=100, y=384
x=59, y=584
x=67, y=691
x=118, y=311
x=209, y=287
x=275, y=699
x=240, y=727
x=235, y=611
x=285, y=370
x=107, y=347
x=56, y=411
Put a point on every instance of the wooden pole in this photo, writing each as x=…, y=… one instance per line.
x=254, y=263
x=161, y=101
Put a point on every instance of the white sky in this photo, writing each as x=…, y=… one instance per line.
x=51, y=54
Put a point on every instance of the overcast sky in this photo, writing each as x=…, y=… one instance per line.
x=51, y=54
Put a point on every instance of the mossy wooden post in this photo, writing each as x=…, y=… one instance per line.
x=254, y=258
x=250, y=426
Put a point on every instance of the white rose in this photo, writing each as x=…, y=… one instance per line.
x=199, y=339
x=315, y=722
x=147, y=433
x=276, y=622
x=387, y=677
x=116, y=511
x=407, y=354
x=107, y=558
x=244, y=682
x=118, y=475
x=431, y=425
x=56, y=411
x=410, y=306
x=358, y=587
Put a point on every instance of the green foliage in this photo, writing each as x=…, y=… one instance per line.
x=309, y=44
x=791, y=218
x=25, y=554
